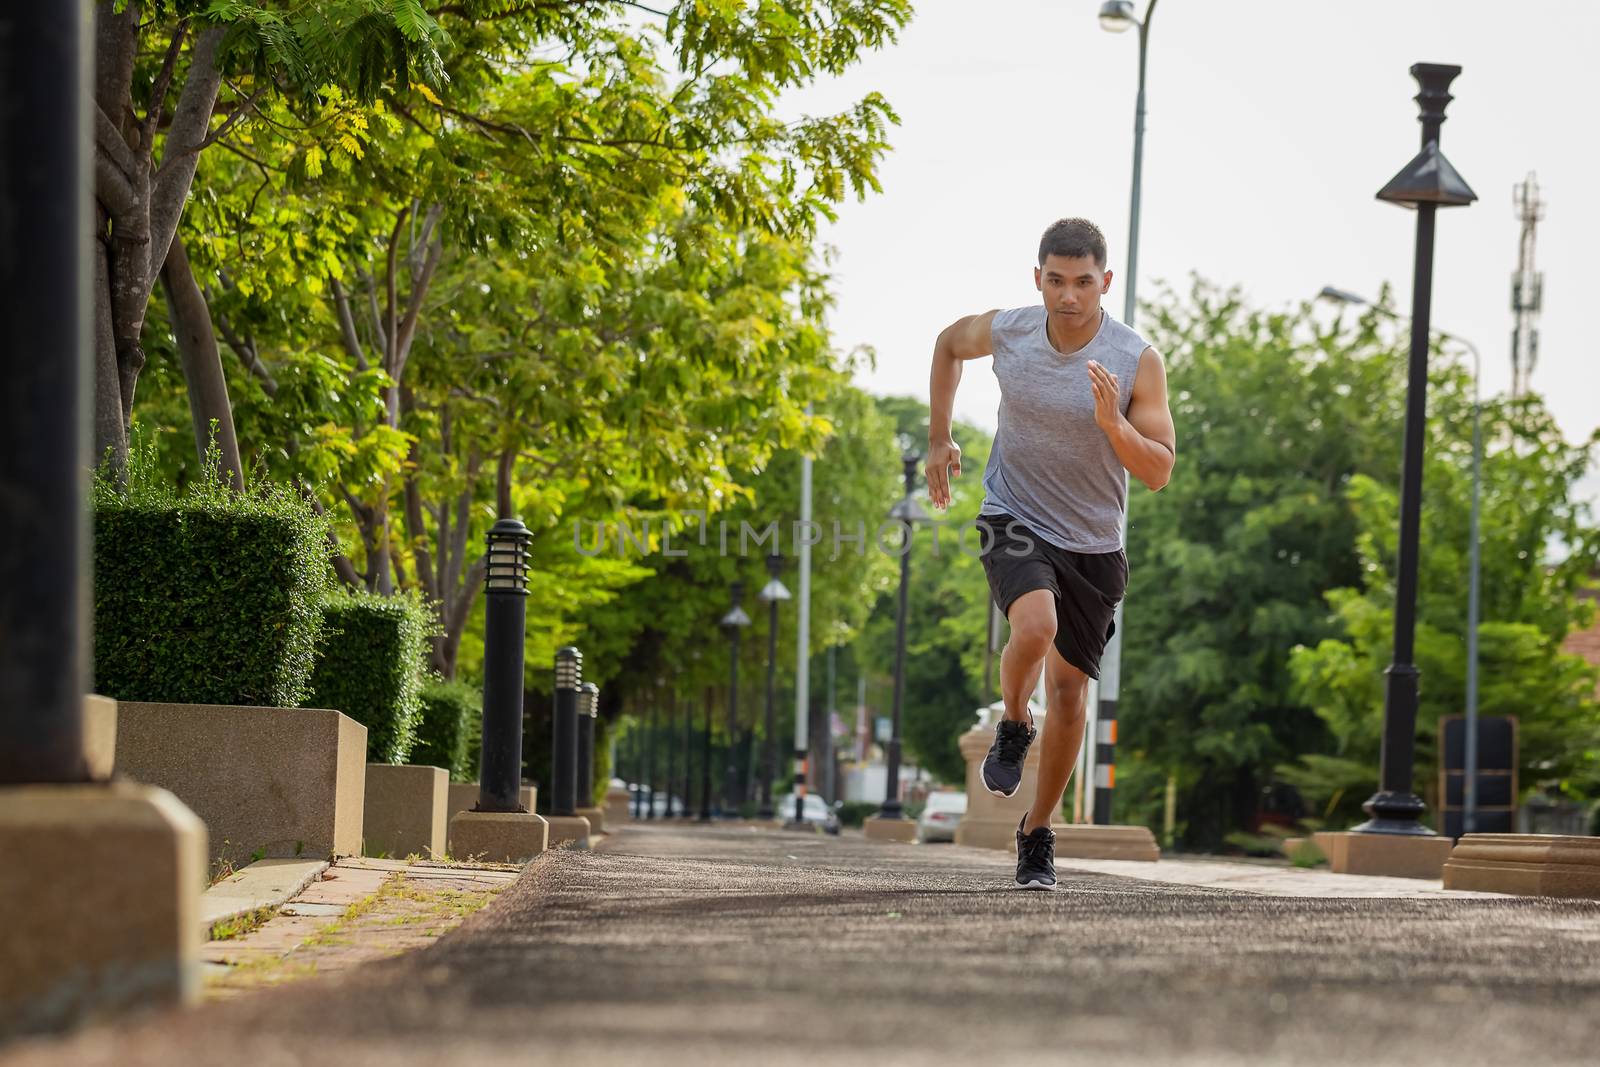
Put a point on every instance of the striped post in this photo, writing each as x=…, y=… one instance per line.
x=1105, y=761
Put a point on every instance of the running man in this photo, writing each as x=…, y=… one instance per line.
x=1083, y=399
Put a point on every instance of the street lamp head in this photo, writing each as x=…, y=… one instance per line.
x=907, y=508
x=774, y=590
x=1428, y=179
x=1341, y=296
x=1116, y=16
x=735, y=619
x=589, y=699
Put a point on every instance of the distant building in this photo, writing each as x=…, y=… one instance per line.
x=1586, y=643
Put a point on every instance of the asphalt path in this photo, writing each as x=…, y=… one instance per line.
x=680, y=945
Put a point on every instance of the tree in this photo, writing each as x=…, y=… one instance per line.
x=1275, y=414
x=1529, y=606
x=171, y=60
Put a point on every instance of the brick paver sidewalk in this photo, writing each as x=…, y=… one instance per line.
x=682, y=946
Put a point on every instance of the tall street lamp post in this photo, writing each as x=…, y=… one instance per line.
x=1469, y=800
x=1118, y=16
x=907, y=512
x=772, y=594
x=1426, y=184
x=705, y=760
x=732, y=622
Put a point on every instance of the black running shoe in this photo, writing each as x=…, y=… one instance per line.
x=1002, y=767
x=1036, y=858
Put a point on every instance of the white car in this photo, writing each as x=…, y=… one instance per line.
x=940, y=816
x=814, y=810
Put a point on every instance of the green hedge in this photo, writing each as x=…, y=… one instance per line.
x=452, y=723
x=374, y=657
x=205, y=596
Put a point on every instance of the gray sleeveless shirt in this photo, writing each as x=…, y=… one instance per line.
x=1051, y=466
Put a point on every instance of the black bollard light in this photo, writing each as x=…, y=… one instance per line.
x=588, y=711
x=505, y=618
x=908, y=512
x=1426, y=184
x=564, y=746
x=772, y=594
x=732, y=622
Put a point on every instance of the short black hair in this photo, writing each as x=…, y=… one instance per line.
x=1073, y=238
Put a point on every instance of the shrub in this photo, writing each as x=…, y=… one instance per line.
x=205, y=596
x=855, y=812
x=452, y=722
x=374, y=656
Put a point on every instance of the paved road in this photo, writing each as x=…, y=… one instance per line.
x=682, y=946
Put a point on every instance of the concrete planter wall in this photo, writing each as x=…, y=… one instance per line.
x=406, y=811
x=279, y=782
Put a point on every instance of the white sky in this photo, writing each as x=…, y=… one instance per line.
x=1271, y=124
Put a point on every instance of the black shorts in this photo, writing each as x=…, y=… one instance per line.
x=1086, y=586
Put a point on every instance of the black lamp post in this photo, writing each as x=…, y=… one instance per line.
x=564, y=746
x=732, y=622
x=908, y=512
x=670, y=742
x=505, y=617
x=705, y=759
x=1426, y=184
x=588, y=710
x=650, y=754
x=686, y=809
x=46, y=341
x=772, y=594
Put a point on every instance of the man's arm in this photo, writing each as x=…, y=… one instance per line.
x=966, y=338
x=1144, y=439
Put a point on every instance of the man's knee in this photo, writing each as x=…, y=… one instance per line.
x=1033, y=624
x=1065, y=688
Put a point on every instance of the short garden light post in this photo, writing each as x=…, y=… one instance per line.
x=588, y=709
x=732, y=622
x=564, y=747
x=772, y=594
x=908, y=512
x=1424, y=185
x=505, y=617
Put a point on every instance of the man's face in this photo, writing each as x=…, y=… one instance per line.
x=1072, y=288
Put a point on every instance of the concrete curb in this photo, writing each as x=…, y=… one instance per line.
x=263, y=884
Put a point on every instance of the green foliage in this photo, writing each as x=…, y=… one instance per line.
x=1275, y=413
x=449, y=728
x=1529, y=606
x=205, y=596
x=854, y=813
x=371, y=666
x=947, y=605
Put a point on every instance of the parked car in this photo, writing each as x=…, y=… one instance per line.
x=940, y=815
x=815, y=811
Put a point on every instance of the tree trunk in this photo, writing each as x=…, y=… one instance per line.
x=209, y=408
x=110, y=435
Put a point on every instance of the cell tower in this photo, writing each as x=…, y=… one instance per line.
x=1527, y=287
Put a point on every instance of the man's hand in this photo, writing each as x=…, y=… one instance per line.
x=1107, y=399
x=943, y=456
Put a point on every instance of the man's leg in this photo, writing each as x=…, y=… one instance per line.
x=1033, y=632
x=1065, y=688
